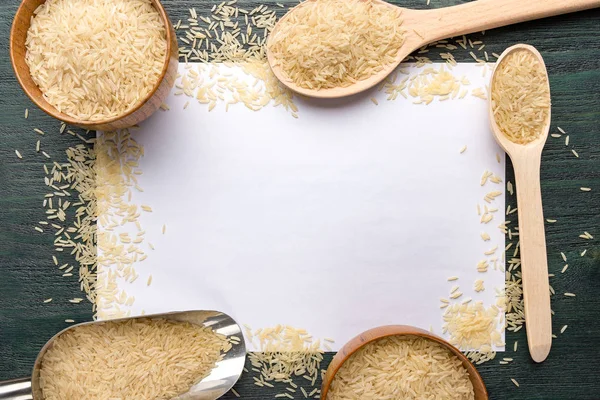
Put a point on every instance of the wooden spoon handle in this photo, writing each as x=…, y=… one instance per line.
x=534, y=263
x=488, y=14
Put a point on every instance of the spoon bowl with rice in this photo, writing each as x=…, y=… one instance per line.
x=338, y=48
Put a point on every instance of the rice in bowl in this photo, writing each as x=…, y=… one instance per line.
x=401, y=367
x=96, y=59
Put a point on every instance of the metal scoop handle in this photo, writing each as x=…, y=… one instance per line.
x=16, y=389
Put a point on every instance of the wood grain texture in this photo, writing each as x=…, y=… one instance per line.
x=570, y=45
x=149, y=105
x=534, y=265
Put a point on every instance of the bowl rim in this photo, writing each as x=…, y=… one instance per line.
x=53, y=111
x=380, y=332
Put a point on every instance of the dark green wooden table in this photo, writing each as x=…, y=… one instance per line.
x=570, y=45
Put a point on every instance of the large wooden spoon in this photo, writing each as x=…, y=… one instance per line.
x=526, y=160
x=426, y=26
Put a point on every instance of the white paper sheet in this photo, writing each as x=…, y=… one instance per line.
x=349, y=217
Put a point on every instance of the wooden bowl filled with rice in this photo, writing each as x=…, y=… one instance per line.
x=401, y=362
x=96, y=64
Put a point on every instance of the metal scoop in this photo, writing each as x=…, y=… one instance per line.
x=222, y=378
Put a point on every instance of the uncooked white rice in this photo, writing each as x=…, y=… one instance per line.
x=474, y=326
x=96, y=59
x=521, y=97
x=284, y=352
x=136, y=359
x=401, y=367
x=335, y=43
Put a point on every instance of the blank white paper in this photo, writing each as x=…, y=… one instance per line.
x=349, y=217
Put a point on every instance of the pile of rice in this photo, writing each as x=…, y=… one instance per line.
x=475, y=327
x=96, y=59
x=285, y=352
x=135, y=359
x=521, y=97
x=401, y=367
x=335, y=43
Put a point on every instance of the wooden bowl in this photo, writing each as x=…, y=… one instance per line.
x=392, y=330
x=143, y=110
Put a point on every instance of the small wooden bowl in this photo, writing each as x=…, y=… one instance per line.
x=393, y=330
x=143, y=110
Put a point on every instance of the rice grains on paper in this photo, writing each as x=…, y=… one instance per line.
x=229, y=39
x=135, y=359
x=473, y=327
x=117, y=168
x=95, y=187
x=521, y=96
x=232, y=37
x=285, y=353
x=335, y=43
x=96, y=59
x=397, y=367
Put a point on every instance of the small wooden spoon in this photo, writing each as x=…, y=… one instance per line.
x=426, y=26
x=526, y=160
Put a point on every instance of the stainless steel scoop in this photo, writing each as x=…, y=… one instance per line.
x=221, y=379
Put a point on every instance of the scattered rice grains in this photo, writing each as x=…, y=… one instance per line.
x=401, y=367
x=284, y=352
x=241, y=35
x=157, y=359
x=117, y=165
x=473, y=326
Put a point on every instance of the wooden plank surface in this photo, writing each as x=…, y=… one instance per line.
x=571, y=47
